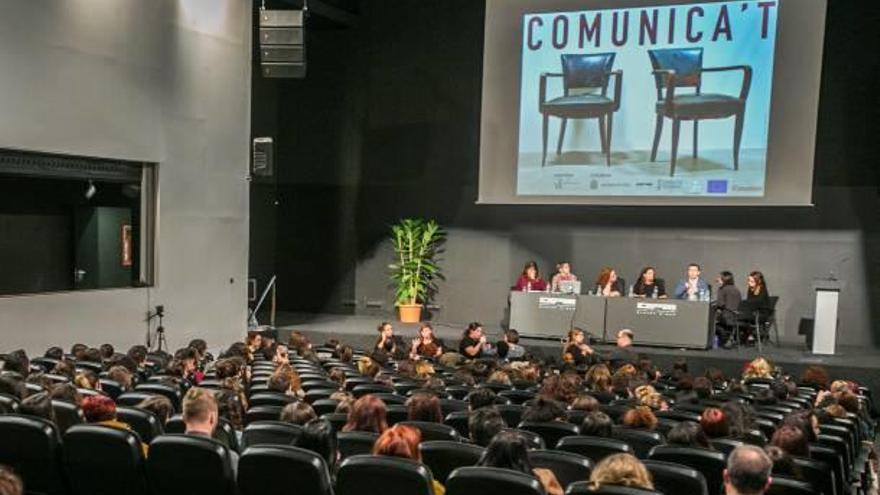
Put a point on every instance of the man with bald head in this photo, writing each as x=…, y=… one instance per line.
x=748, y=471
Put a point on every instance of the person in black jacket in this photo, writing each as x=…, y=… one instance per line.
x=727, y=304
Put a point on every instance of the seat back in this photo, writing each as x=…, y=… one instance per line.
x=190, y=465
x=270, y=399
x=144, y=423
x=822, y=458
x=434, y=431
x=725, y=445
x=262, y=413
x=452, y=405
x=131, y=399
x=533, y=440
x=381, y=475
x=686, y=62
x=371, y=388
x=260, y=465
x=567, y=466
x=111, y=455
x=34, y=454
x=594, y=448
x=512, y=413
x=444, y=456
x=171, y=392
x=338, y=420
x=390, y=398
x=583, y=488
x=642, y=441
x=9, y=404
x=459, y=421
x=780, y=485
x=550, y=431
x=487, y=480
x=352, y=443
x=270, y=433
x=708, y=462
x=395, y=413
x=324, y=406
x=586, y=70
x=67, y=414
x=517, y=396
x=111, y=387
x=672, y=478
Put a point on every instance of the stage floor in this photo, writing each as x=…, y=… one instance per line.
x=854, y=363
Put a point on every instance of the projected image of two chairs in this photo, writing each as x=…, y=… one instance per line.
x=593, y=91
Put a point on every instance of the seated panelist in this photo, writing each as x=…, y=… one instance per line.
x=649, y=285
x=608, y=284
x=563, y=274
x=530, y=279
x=693, y=285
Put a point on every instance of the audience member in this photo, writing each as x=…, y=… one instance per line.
x=159, y=405
x=424, y=407
x=621, y=470
x=367, y=414
x=484, y=424
x=39, y=405
x=597, y=424
x=584, y=402
x=403, y=441
x=480, y=397
x=298, y=413
x=714, y=423
x=100, y=409
x=319, y=437
x=791, y=440
x=544, y=410
x=509, y=450
x=748, y=471
x=688, y=434
x=640, y=418
x=10, y=483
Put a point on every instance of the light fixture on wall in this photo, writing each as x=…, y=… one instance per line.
x=90, y=190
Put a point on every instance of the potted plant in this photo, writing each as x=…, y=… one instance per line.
x=417, y=243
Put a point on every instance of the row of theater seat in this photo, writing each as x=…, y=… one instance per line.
x=98, y=460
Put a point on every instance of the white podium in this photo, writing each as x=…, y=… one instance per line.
x=825, y=319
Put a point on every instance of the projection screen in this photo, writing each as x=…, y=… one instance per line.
x=591, y=102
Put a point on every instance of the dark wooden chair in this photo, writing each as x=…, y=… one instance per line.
x=585, y=79
x=683, y=68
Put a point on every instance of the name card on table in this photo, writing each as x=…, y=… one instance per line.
x=563, y=303
x=656, y=309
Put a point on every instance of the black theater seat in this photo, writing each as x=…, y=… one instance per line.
x=380, y=475
x=492, y=481
x=31, y=447
x=260, y=466
x=99, y=460
x=190, y=465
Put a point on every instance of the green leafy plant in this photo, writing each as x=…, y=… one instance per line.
x=417, y=243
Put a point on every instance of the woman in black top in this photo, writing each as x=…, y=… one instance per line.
x=576, y=351
x=387, y=341
x=756, y=294
x=473, y=341
x=648, y=283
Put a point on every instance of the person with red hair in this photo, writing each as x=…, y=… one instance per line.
x=101, y=410
x=403, y=441
x=367, y=414
x=714, y=423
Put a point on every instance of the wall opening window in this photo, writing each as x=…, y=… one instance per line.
x=75, y=223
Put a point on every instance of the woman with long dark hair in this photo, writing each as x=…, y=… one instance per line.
x=509, y=450
x=757, y=294
x=473, y=342
x=649, y=285
x=575, y=350
x=530, y=279
x=426, y=345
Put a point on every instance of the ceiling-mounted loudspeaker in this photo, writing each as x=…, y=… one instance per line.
x=282, y=43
